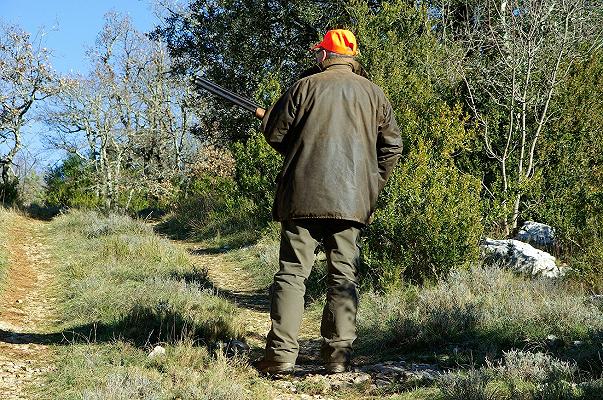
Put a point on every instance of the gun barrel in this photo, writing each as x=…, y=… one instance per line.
x=226, y=94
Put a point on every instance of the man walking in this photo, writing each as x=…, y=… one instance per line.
x=340, y=142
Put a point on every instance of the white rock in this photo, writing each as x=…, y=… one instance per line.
x=157, y=351
x=537, y=234
x=521, y=257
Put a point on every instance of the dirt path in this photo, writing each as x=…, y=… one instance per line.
x=309, y=381
x=25, y=308
x=234, y=283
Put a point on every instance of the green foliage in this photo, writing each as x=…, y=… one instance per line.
x=428, y=222
x=572, y=189
x=70, y=184
x=9, y=193
x=238, y=44
x=257, y=165
x=428, y=219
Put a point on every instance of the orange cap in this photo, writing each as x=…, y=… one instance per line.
x=340, y=41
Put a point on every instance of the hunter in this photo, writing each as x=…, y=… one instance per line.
x=337, y=133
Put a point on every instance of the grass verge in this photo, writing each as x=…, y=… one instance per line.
x=124, y=290
x=520, y=375
x=474, y=315
x=5, y=216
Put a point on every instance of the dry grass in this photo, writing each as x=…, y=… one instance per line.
x=520, y=375
x=118, y=275
x=482, y=305
x=124, y=290
x=120, y=371
x=5, y=215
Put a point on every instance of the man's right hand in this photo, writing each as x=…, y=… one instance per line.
x=259, y=113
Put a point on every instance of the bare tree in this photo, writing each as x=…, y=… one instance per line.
x=26, y=78
x=517, y=53
x=130, y=118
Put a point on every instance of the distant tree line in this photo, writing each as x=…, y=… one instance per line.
x=498, y=101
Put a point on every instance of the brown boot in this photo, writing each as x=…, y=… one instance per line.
x=273, y=368
x=337, y=367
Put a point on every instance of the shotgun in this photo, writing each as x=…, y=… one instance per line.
x=230, y=96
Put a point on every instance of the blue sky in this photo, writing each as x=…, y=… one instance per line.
x=70, y=27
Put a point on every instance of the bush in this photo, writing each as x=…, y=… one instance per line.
x=428, y=222
x=257, y=165
x=70, y=184
x=571, y=198
x=428, y=218
x=9, y=193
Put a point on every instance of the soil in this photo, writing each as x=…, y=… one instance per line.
x=26, y=310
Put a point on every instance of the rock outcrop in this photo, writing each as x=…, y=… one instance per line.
x=536, y=234
x=520, y=257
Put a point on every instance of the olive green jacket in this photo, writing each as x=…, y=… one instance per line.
x=340, y=142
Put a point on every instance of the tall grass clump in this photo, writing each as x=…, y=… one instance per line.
x=482, y=308
x=519, y=375
x=119, y=371
x=121, y=280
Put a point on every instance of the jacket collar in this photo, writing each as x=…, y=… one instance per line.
x=354, y=65
x=338, y=62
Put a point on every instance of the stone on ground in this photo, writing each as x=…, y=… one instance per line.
x=521, y=257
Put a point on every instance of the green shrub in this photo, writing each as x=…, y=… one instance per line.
x=257, y=165
x=428, y=218
x=9, y=193
x=428, y=222
x=571, y=196
x=70, y=184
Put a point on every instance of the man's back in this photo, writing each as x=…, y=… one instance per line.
x=331, y=127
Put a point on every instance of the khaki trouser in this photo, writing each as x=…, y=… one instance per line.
x=299, y=239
